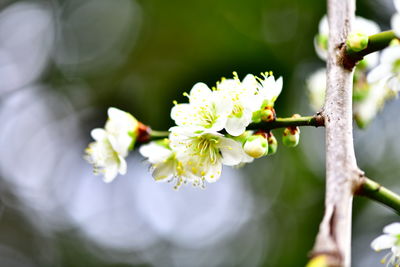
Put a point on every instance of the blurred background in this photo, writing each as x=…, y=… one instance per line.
x=64, y=62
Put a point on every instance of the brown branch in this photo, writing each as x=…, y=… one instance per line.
x=342, y=173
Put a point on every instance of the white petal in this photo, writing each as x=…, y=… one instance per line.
x=390, y=55
x=236, y=126
x=250, y=82
x=383, y=242
x=322, y=53
x=378, y=73
x=122, y=166
x=98, y=134
x=213, y=172
x=200, y=93
x=372, y=60
x=115, y=114
x=182, y=114
x=110, y=172
x=232, y=152
x=395, y=22
x=397, y=5
x=365, y=26
x=393, y=229
x=323, y=26
x=155, y=153
x=223, y=107
x=163, y=170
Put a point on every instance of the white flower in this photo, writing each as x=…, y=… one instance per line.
x=388, y=68
x=105, y=159
x=395, y=21
x=316, y=85
x=165, y=164
x=361, y=25
x=203, y=154
x=244, y=99
x=389, y=240
x=269, y=89
x=122, y=130
x=112, y=144
x=207, y=111
x=366, y=109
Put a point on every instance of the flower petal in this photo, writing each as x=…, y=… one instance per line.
x=213, y=172
x=98, y=134
x=163, y=170
x=182, y=114
x=378, y=73
x=200, y=93
x=122, y=166
x=236, y=126
x=110, y=172
x=155, y=153
x=232, y=152
x=383, y=242
x=395, y=22
x=392, y=229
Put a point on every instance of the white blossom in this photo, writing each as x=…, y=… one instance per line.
x=316, y=85
x=395, y=21
x=389, y=240
x=102, y=155
x=165, y=165
x=388, y=68
x=269, y=88
x=244, y=99
x=366, y=109
x=112, y=144
x=204, y=153
x=207, y=110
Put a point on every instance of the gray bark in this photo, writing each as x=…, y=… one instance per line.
x=342, y=173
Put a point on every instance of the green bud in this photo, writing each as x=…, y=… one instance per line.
x=256, y=146
x=272, y=144
x=322, y=41
x=267, y=114
x=291, y=136
x=357, y=42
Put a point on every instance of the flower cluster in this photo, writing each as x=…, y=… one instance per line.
x=389, y=240
x=376, y=77
x=211, y=130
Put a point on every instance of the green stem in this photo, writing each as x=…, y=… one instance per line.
x=316, y=121
x=158, y=134
x=376, y=42
x=377, y=192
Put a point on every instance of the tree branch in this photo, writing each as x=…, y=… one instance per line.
x=334, y=236
x=377, y=192
x=316, y=120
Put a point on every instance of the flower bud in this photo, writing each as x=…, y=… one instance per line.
x=256, y=146
x=272, y=144
x=357, y=42
x=291, y=136
x=268, y=114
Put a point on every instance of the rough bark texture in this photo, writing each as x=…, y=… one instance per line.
x=342, y=173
